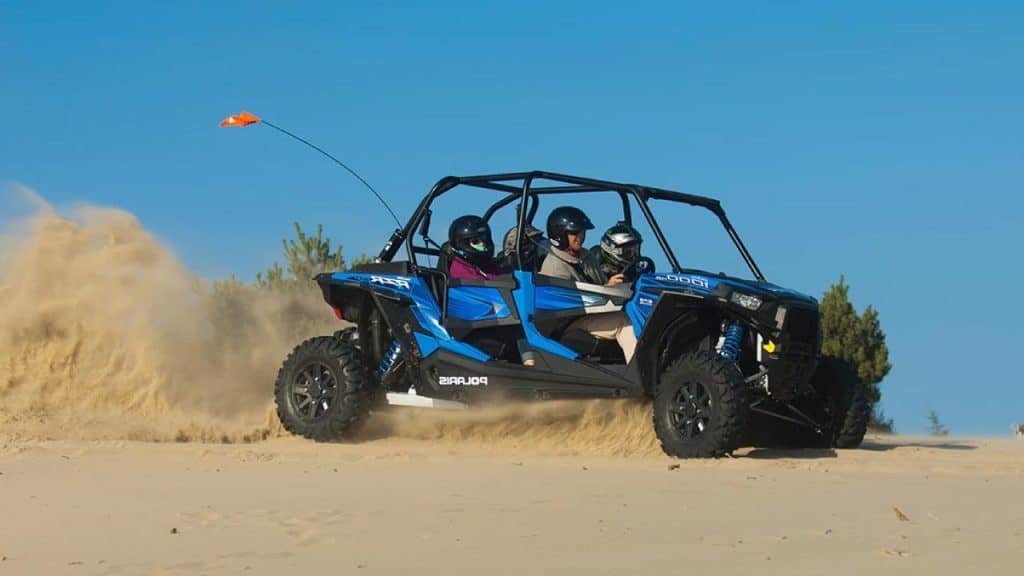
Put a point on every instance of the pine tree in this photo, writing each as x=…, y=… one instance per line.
x=272, y=278
x=305, y=256
x=859, y=340
x=308, y=256
x=935, y=427
x=360, y=260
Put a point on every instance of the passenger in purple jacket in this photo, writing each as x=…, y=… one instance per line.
x=461, y=268
x=472, y=250
x=471, y=253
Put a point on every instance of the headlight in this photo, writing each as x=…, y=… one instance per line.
x=746, y=300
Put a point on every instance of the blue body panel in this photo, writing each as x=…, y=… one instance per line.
x=524, y=297
x=648, y=287
x=425, y=309
x=558, y=298
x=475, y=303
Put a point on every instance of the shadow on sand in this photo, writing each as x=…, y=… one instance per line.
x=892, y=443
x=871, y=445
x=762, y=453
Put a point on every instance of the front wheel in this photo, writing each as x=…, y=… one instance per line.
x=322, y=390
x=700, y=406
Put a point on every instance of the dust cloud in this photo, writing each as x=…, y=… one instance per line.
x=103, y=333
x=605, y=427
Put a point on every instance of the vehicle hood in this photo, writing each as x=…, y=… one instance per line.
x=707, y=282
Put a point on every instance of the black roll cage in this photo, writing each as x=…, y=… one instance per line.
x=519, y=186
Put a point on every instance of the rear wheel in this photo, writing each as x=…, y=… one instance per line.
x=700, y=406
x=322, y=390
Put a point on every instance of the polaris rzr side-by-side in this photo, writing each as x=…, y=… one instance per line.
x=726, y=361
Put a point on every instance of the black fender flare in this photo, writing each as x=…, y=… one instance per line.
x=679, y=322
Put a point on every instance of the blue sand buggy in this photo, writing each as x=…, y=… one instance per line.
x=727, y=361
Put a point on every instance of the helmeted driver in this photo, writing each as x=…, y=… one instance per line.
x=618, y=252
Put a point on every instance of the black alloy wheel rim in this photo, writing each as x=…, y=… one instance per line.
x=691, y=410
x=313, y=391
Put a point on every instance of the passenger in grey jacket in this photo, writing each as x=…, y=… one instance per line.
x=561, y=264
x=567, y=231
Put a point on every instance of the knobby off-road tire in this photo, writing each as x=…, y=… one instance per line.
x=348, y=336
x=700, y=406
x=846, y=401
x=322, y=390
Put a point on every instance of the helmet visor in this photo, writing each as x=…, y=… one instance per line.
x=480, y=244
x=630, y=252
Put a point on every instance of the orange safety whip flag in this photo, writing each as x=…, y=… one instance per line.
x=243, y=119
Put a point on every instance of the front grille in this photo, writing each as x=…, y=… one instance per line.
x=802, y=325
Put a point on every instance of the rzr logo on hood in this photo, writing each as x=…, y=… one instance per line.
x=396, y=282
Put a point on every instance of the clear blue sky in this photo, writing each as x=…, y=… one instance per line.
x=880, y=140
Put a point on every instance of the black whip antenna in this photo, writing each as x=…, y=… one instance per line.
x=245, y=119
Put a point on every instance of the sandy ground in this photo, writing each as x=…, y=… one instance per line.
x=397, y=506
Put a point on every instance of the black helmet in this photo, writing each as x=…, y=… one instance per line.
x=470, y=237
x=563, y=220
x=620, y=245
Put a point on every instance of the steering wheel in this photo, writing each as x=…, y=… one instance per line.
x=643, y=265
